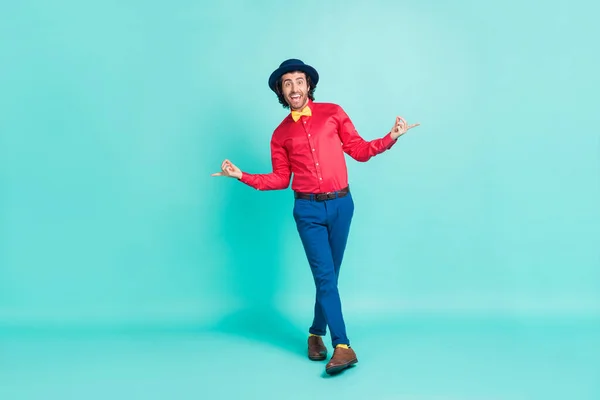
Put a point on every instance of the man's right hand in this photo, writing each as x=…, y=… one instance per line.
x=229, y=169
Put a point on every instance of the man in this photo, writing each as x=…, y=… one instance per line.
x=310, y=143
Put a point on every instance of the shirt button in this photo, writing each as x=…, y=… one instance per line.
x=313, y=149
x=317, y=163
x=321, y=178
x=309, y=134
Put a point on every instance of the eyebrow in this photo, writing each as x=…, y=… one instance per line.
x=290, y=79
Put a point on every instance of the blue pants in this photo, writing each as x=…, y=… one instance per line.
x=323, y=227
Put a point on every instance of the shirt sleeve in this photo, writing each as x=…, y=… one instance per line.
x=276, y=180
x=357, y=147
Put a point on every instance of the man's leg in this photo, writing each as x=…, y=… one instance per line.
x=340, y=218
x=339, y=215
x=311, y=220
x=319, y=325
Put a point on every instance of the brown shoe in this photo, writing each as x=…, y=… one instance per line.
x=316, y=349
x=342, y=358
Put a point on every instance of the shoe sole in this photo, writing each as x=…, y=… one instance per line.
x=340, y=368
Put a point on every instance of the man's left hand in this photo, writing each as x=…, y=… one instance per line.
x=401, y=127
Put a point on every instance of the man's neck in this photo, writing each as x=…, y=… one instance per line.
x=302, y=107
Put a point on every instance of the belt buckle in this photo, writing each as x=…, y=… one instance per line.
x=325, y=196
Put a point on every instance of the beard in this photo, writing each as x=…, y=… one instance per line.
x=297, y=100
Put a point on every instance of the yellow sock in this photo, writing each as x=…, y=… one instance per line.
x=312, y=334
x=344, y=346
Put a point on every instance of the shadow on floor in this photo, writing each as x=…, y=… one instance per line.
x=250, y=225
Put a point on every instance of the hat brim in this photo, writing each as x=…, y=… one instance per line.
x=314, y=75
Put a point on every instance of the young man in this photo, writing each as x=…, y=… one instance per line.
x=310, y=143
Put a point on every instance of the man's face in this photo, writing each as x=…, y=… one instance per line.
x=295, y=89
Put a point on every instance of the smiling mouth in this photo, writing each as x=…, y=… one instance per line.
x=295, y=97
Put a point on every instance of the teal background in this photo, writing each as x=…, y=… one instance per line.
x=483, y=219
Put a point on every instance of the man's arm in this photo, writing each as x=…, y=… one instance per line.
x=276, y=180
x=362, y=150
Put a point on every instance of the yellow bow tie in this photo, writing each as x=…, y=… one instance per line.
x=297, y=114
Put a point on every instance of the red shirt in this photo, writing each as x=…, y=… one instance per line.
x=313, y=150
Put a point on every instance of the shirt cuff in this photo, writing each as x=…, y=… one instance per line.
x=388, y=142
x=248, y=179
x=245, y=178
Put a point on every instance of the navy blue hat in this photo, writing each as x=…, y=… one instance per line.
x=289, y=66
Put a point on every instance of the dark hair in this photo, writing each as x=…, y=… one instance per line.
x=279, y=90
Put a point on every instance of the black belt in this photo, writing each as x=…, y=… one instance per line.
x=322, y=196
